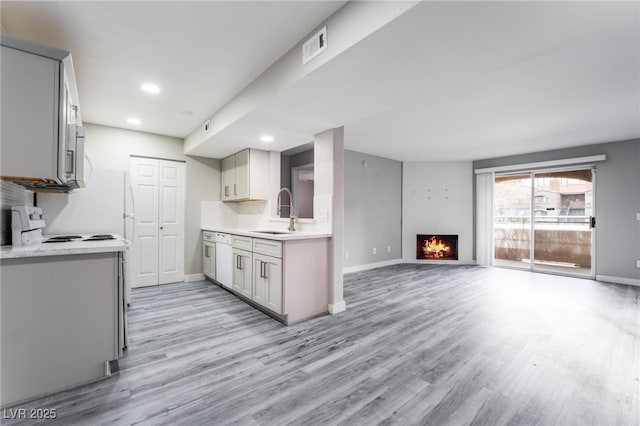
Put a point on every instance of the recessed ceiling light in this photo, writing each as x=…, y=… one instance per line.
x=133, y=120
x=266, y=138
x=150, y=88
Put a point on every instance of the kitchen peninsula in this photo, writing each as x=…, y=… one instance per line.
x=62, y=315
x=284, y=274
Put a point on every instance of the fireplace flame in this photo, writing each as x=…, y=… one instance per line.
x=436, y=248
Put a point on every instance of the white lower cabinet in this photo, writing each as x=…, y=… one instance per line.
x=62, y=322
x=208, y=255
x=243, y=272
x=267, y=282
x=289, y=279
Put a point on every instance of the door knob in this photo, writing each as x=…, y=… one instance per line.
x=162, y=227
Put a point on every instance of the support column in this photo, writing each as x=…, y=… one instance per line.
x=329, y=205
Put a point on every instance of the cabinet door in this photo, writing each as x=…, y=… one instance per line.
x=209, y=260
x=241, y=189
x=30, y=101
x=228, y=178
x=242, y=272
x=267, y=282
x=260, y=283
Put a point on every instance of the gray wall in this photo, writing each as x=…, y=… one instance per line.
x=617, y=201
x=372, y=209
x=203, y=184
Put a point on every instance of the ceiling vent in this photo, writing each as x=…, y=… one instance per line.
x=314, y=46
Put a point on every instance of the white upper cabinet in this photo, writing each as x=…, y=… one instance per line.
x=42, y=143
x=245, y=176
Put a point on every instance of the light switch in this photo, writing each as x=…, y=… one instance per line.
x=638, y=216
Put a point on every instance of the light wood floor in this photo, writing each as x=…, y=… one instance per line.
x=418, y=344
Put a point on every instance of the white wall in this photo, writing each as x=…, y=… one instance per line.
x=437, y=198
x=110, y=148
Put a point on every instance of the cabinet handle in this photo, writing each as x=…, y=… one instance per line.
x=206, y=251
x=70, y=162
x=74, y=109
x=261, y=273
x=226, y=190
x=265, y=270
x=235, y=189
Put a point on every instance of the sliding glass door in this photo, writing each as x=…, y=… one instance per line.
x=512, y=220
x=563, y=206
x=543, y=221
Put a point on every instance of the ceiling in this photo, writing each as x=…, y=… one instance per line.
x=199, y=53
x=444, y=81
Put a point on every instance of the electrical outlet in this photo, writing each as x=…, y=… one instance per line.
x=374, y=250
x=323, y=215
x=346, y=254
x=388, y=249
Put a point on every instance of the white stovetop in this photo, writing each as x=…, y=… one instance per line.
x=59, y=249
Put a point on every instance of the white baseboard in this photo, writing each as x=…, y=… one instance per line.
x=193, y=277
x=359, y=268
x=335, y=308
x=618, y=280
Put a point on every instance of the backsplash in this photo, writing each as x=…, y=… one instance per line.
x=11, y=195
x=260, y=214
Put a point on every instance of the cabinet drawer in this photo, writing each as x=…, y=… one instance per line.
x=267, y=247
x=239, y=242
x=209, y=236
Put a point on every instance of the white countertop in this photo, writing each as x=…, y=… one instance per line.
x=297, y=235
x=60, y=249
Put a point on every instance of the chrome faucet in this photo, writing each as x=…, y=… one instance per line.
x=292, y=218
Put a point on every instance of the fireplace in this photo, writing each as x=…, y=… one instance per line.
x=437, y=247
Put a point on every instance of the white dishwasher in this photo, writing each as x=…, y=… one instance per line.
x=224, y=260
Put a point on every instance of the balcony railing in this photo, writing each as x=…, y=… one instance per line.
x=557, y=238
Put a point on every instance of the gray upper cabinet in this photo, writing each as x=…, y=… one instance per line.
x=40, y=117
x=245, y=176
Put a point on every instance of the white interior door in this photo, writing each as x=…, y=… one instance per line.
x=157, y=246
x=144, y=244
x=171, y=213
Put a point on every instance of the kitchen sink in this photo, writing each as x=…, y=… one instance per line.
x=272, y=232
